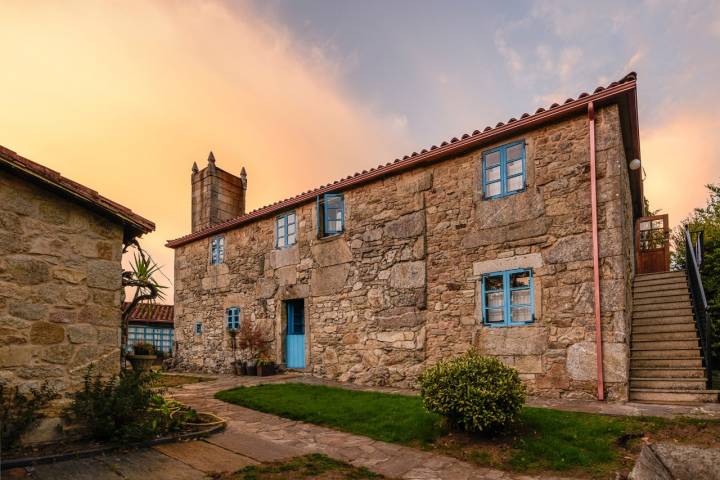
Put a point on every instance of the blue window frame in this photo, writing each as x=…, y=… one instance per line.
x=508, y=298
x=331, y=214
x=198, y=328
x=217, y=250
x=285, y=230
x=504, y=170
x=232, y=315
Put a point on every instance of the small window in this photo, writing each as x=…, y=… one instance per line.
x=198, y=328
x=285, y=230
x=331, y=214
x=508, y=298
x=217, y=250
x=504, y=170
x=232, y=316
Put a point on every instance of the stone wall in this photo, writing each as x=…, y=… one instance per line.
x=399, y=289
x=60, y=279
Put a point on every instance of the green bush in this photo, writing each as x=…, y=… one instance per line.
x=474, y=393
x=125, y=407
x=19, y=411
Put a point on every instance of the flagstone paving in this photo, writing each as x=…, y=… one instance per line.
x=253, y=437
x=265, y=437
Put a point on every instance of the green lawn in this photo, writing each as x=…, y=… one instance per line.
x=543, y=439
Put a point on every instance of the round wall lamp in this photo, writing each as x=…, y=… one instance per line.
x=634, y=164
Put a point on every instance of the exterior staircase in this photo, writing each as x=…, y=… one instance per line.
x=666, y=362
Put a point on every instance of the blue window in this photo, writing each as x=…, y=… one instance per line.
x=508, y=298
x=232, y=315
x=198, y=328
x=217, y=250
x=504, y=170
x=285, y=230
x=331, y=214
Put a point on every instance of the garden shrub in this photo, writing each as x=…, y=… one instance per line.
x=124, y=407
x=19, y=411
x=475, y=393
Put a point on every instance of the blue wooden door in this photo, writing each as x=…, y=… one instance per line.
x=295, y=341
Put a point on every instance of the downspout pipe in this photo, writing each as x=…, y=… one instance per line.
x=595, y=255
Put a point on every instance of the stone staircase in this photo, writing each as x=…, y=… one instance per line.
x=665, y=361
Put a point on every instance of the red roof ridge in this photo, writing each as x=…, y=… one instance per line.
x=432, y=153
x=86, y=194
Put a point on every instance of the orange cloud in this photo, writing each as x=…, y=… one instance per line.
x=124, y=96
x=680, y=157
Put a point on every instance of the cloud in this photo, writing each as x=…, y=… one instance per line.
x=679, y=161
x=123, y=97
x=511, y=56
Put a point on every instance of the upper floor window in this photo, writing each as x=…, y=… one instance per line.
x=504, y=170
x=331, y=214
x=508, y=298
x=232, y=315
x=285, y=230
x=217, y=250
x=198, y=328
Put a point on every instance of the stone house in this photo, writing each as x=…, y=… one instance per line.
x=500, y=240
x=60, y=277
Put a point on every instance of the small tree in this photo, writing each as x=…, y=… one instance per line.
x=252, y=340
x=707, y=220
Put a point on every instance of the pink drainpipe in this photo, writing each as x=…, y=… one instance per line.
x=596, y=256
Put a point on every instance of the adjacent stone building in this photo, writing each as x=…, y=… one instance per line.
x=485, y=242
x=60, y=277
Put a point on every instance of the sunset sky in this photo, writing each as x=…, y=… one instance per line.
x=124, y=96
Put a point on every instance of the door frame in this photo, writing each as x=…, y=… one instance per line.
x=665, y=249
x=285, y=307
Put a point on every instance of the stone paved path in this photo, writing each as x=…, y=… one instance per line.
x=265, y=437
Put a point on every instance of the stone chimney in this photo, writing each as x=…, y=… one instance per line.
x=216, y=195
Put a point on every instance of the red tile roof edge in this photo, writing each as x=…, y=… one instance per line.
x=433, y=154
x=77, y=190
x=151, y=312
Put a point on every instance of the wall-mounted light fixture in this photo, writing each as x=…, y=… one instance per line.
x=635, y=164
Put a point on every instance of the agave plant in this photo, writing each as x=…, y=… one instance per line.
x=142, y=277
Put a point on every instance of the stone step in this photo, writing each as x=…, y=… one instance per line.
x=663, y=336
x=691, y=361
x=659, y=294
x=687, y=383
x=670, y=312
x=664, y=327
x=660, y=306
x=659, y=288
x=684, y=319
x=664, y=344
x=670, y=396
x=666, y=372
x=693, y=352
x=644, y=282
x=671, y=274
x=662, y=299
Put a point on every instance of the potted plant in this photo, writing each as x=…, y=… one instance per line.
x=251, y=367
x=251, y=339
x=143, y=356
x=265, y=367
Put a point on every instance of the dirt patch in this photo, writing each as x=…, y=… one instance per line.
x=168, y=380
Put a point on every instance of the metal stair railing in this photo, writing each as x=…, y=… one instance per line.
x=694, y=254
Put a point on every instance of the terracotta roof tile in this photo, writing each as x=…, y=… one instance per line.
x=625, y=84
x=151, y=312
x=78, y=191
